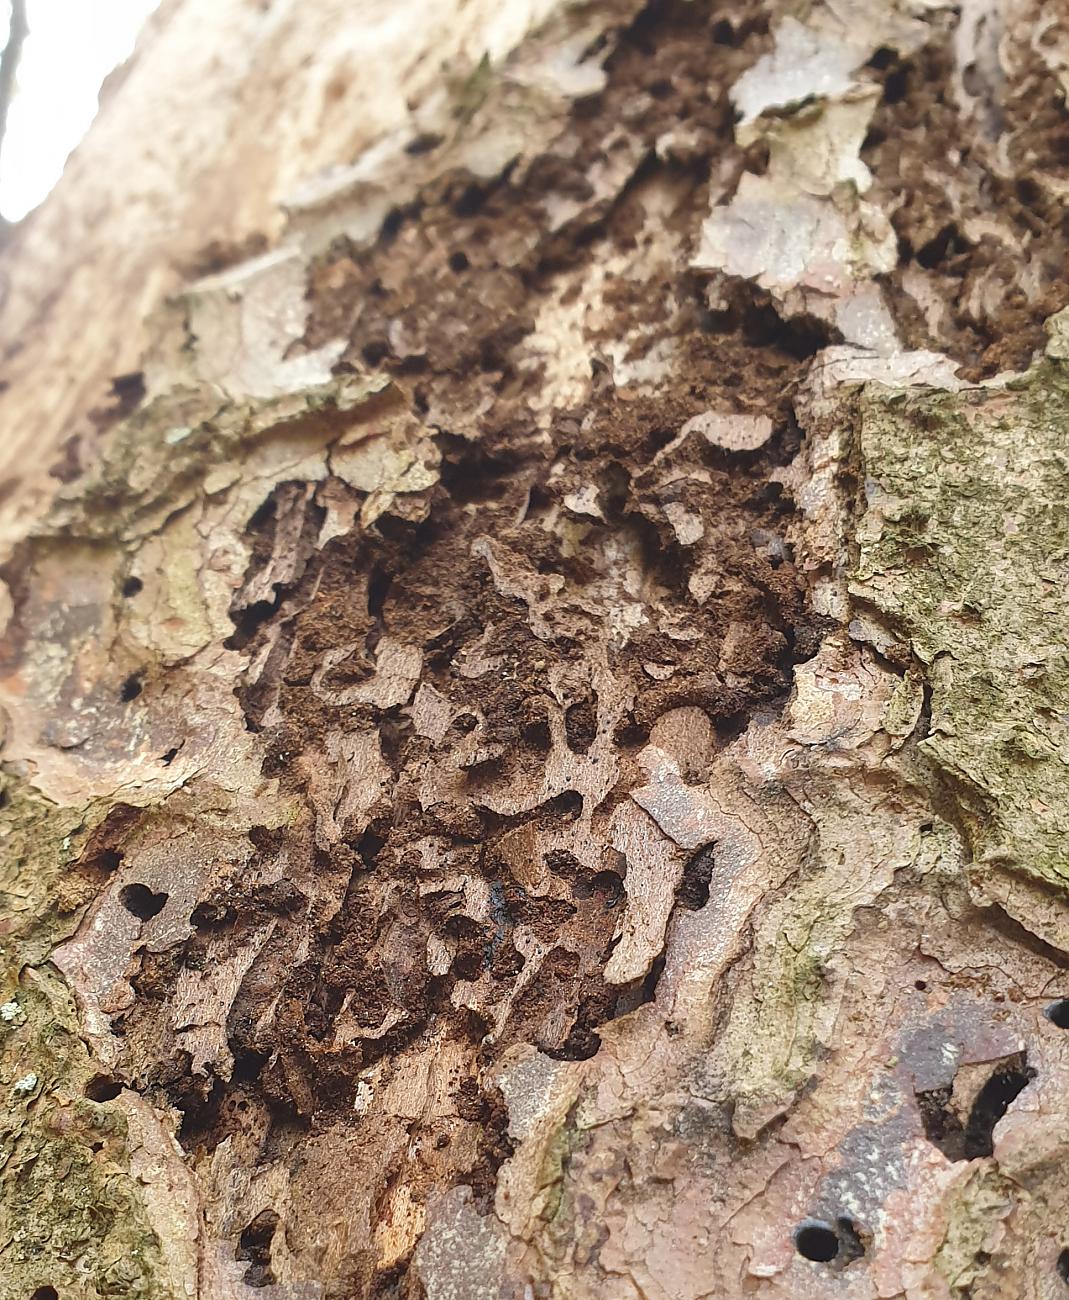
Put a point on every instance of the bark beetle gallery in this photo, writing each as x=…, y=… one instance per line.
x=535, y=726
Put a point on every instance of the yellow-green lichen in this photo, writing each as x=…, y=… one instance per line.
x=975, y=1212
x=72, y=1216
x=963, y=546
x=561, y=1221
x=39, y=897
x=163, y=456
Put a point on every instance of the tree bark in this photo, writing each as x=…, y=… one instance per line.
x=535, y=710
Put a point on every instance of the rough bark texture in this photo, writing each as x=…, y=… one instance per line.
x=537, y=723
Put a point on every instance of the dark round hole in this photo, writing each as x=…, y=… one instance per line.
x=816, y=1241
x=1058, y=1013
x=132, y=586
x=45, y=1293
x=458, y=262
x=248, y=1066
x=1063, y=1266
x=109, y=860
x=131, y=688
x=102, y=1088
x=882, y=58
x=920, y=985
x=141, y=902
x=423, y=143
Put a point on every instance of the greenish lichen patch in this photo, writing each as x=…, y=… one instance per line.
x=974, y=1215
x=40, y=898
x=71, y=1214
x=165, y=453
x=963, y=546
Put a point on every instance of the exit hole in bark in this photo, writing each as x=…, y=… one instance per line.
x=45, y=1293
x=250, y=619
x=254, y=1245
x=102, y=1088
x=142, y=902
x=1063, y=1266
x=824, y=1242
x=425, y=142
x=1058, y=1013
x=816, y=1241
x=131, y=688
x=693, y=890
x=973, y=1138
x=992, y=1103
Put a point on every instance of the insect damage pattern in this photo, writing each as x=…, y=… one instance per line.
x=534, y=752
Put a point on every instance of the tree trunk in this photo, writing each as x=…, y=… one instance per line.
x=536, y=739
